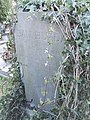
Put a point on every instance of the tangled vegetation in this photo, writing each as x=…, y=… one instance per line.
x=4, y=9
x=73, y=77
x=11, y=102
x=72, y=93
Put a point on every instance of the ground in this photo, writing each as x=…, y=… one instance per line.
x=4, y=66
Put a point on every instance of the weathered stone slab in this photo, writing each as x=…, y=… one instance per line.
x=38, y=45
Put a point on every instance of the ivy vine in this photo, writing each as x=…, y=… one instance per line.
x=73, y=76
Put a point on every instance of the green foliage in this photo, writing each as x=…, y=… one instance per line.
x=25, y=2
x=11, y=103
x=5, y=85
x=4, y=9
x=73, y=76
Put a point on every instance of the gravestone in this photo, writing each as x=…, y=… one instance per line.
x=38, y=46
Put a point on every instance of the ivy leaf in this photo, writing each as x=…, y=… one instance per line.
x=43, y=92
x=41, y=102
x=46, y=81
x=50, y=56
x=88, y=102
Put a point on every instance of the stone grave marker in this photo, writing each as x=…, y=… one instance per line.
x=38, y=45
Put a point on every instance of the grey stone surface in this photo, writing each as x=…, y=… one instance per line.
x=32, y=38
